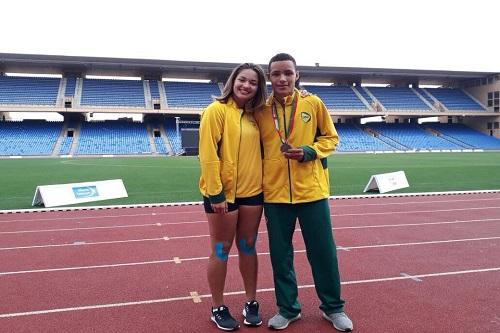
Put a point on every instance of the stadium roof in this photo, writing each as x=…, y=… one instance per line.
x=146, y=68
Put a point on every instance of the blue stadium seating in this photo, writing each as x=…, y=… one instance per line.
x=354, y=139
x=425, y=95
x=454, y=99
x=105, y=92
x=398, y=98
x=113, y=137
x=70, y=86
x=412, y=136
x=160, y=146
x=17, y=90
x=364, y=94
x=29, y=137
x=466, y=135
x=153, y=87
x=337, y=97
x=190, y=94
x=66, y=146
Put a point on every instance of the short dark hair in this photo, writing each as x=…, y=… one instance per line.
x=284, y=57
x=281, y=57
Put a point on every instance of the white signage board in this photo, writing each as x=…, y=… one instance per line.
x=67, y=194
x=386, y=182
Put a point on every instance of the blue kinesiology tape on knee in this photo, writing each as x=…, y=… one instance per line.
x=248, y=250
x=219, y=252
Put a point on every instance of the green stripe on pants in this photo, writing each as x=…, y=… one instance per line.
x=314, y=220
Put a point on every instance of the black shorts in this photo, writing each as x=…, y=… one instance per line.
x=256, y=200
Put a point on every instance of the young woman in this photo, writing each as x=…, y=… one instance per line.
x=231, y=185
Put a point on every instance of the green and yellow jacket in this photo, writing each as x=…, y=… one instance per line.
x=291, y=181
x=229, y=152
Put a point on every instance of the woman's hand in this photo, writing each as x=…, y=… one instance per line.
x=220, y=208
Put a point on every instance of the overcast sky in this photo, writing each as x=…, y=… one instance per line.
x=419, y=34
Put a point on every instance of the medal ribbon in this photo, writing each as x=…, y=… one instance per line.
x=291, y=121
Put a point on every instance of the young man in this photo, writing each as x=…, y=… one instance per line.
x=297, y=135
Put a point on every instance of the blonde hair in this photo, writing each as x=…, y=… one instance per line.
x=258, y=101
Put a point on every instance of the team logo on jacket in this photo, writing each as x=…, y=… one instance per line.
x=306, y=117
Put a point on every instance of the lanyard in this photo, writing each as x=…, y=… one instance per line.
x=291, y=122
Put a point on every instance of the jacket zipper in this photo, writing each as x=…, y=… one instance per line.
x=238, y=155
x=288, y=160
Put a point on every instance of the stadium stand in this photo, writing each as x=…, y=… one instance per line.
x=28, y=138
x=106, y=92
x=454, y=99
x=190, y=94
x=354, y=139
x=69, y=91
x=465, y=136
x=398, y=98
x=18, y=90
x=173, y=138
x=412, y=137
x=153, y=87
x=337, y=97
x=114, y=138
x=363, y=93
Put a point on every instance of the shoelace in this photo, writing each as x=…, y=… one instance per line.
x=221, y=312
x=253, y=308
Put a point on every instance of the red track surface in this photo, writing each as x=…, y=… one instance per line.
x=408, y=264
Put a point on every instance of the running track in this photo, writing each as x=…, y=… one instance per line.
x=408, y=264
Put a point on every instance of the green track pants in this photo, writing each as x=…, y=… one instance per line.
x=314, y=220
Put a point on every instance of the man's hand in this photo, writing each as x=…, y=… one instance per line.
x=294, y=154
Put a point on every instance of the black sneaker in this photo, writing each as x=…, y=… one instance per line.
x=251, y=314
x=223, y=319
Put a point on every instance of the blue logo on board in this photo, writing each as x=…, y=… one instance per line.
x=85, y=192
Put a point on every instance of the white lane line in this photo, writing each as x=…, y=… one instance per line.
x=416, y=211
x=260, y=232
x=119, y=216
x=199, y=297
x=235, y=255
x=415, y=224
x=411, y=277
x=199, y=211
x=421, y=243
x=101, y=227
x=83, y=243
x=431, y=202
x=204, y=221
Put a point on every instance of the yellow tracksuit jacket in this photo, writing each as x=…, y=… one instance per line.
x=291, y=181
x=229, y=153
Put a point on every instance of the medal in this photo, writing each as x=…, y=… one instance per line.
x=284, y=147
x=284, y=140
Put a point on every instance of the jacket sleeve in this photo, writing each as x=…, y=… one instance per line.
x=211, y=130
x=326, y=139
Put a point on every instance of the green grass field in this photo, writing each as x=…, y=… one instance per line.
x=174, y=179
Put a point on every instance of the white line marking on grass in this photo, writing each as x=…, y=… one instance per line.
x=194, y=295
x=47, y=270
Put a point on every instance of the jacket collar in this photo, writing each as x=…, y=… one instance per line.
x=288, y=99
